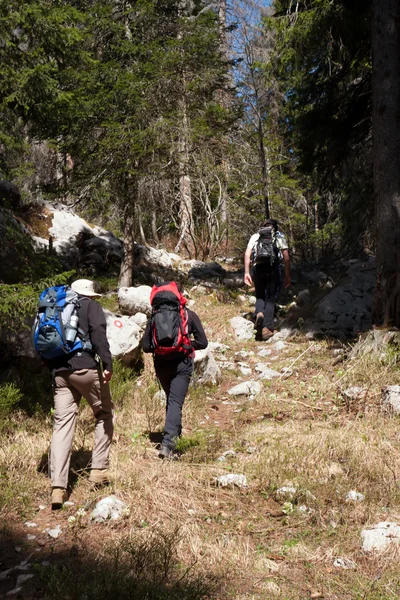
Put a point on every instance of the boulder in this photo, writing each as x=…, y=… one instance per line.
x=124, y=336
x=380, y=536
x=244, y=329
x=151, y=258
x=206, y=370
x=134, y=300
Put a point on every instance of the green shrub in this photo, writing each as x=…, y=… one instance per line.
x=122, y=383
x=10, y=396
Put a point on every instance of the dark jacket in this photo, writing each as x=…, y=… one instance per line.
x=195, y=329
x=93, y=323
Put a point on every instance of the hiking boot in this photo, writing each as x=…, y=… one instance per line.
x=165, y=452
x=259, y=320
x=58, y=497
x=266, y=334
x=99, y=476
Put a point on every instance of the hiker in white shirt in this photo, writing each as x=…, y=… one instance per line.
x=262, y=261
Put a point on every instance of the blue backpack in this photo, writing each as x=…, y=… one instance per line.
x=56, y=330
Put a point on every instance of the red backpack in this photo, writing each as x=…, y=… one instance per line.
x=169, y=321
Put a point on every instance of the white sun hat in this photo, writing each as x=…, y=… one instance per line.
x=85, y=287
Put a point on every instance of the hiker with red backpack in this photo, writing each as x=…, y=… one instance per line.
x=172, y=334
x=263, y=255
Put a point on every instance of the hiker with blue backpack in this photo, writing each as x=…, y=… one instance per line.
x=265, y=252
x=69, y=335
x=173, y=334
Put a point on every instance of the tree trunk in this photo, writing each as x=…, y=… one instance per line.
x=386, y=158
x=186, y=230
x=224, y=101
x=126, y=269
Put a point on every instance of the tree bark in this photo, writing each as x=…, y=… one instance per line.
x=126, y=269
x=386, y=158
x=186, y=230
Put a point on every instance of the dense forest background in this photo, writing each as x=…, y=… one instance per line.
x=182, y=123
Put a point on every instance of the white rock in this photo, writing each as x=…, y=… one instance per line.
x=247, y=388
x=109, y=508
x=226, y=364
x=160, y=397
x=55, y=532
x=279, y=345
x=264, y=352
x=227, y=454
x=41, y=507
x=380, y=536
x=266, y=372
x=232, y=479
x=354, y=392
x=206, y=369
x=244, y=329
x=22, y=578
x=14, y=591
x=286, y=491
x=69, y=503
x=244, y=368
x=218, y=347
x=31, y=537
x=354, y=496
x=30, y=524
x=391, y=399
x=344, y=563
x=252, y=300
x=135, y=299
x=124, y=337
x=146, y=256
x=140, y=319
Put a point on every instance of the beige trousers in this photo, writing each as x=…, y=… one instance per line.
x=70, y=386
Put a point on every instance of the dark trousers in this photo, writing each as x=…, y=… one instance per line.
x=267, y=284
x=174, y=378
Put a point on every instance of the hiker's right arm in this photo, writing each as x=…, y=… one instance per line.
x=247, y=277
x=146, y=342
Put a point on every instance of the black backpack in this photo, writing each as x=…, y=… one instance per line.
x=266, y=251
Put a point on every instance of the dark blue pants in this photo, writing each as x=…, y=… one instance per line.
x=174, y=378
x=267, y=284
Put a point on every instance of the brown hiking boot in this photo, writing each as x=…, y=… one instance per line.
x=266, y=334
x=259, y=320
x=58, y=497
x=99, y=476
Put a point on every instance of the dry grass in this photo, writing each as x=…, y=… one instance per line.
x=241, y=544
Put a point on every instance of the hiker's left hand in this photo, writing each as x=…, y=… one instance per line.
x=106, y=375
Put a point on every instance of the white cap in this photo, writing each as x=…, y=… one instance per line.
x=85, y=287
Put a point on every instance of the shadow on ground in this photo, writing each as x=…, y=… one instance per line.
x=141, y=567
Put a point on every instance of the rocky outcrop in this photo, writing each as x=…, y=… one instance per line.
x=346, y=310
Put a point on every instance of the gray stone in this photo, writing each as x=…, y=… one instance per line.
x=109, y=509
x=55, y=532
x=124, y=337
x=354, y=392
x=22, y=578
x=380, y=536
x=244, y=329
x=265, y=371
x=354, y=496
x=231, y=480
x=206, y=369
x=133, y=300
x=151, y=258
x=247, y=388
x=391, y=399
x=286, y=491
x=303, y=298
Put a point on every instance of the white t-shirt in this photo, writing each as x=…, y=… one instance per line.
x=280, y=241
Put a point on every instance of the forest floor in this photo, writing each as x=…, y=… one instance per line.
x=184, y=536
